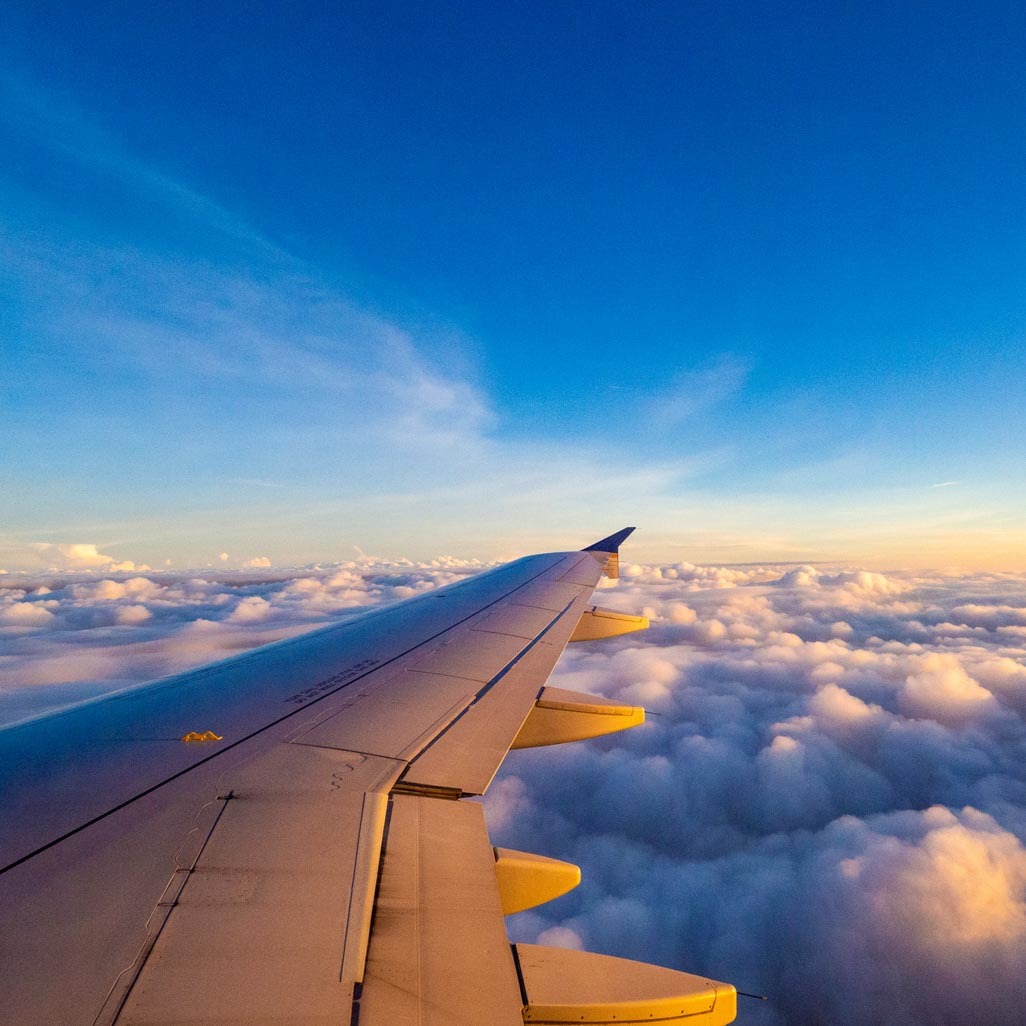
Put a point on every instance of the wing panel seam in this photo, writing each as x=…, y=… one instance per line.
x=144, y=952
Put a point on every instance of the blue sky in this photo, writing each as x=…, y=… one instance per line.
x=284, y=279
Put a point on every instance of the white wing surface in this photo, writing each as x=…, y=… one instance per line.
x=282, y=837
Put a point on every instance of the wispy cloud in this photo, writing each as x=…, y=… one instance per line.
x=234, y=364
x=61, y=125
x=240, y=311
x=697, y=390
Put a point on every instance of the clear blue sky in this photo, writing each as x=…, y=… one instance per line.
x=279, y=279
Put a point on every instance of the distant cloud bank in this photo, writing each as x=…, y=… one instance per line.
x=79, y=556
x=827, y=804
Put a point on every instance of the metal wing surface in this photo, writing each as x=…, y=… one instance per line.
x=284, y=837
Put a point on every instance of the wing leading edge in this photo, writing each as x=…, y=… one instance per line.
x=314, y=860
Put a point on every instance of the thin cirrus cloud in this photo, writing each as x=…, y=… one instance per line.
x=182, y=375
x=696, y=390
x=215, y=309
x=825, y=805
x=53, y=122
x=218, y=304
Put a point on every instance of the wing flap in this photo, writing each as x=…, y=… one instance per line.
x=440, y=956
x=273, y=932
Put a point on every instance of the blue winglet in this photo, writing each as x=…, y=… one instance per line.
x=612, y=543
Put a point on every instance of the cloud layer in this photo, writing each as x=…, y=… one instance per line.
x=66, y=636
x=827, y=804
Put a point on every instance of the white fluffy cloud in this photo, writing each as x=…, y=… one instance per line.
x=26, y=614
x=827, y=804
x=80, y=556
x=251, y=609
x=83, y=633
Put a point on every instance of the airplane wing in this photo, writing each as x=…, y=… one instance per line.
x=285, y=836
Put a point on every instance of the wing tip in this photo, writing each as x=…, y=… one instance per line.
x=612, y=543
